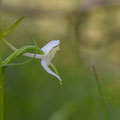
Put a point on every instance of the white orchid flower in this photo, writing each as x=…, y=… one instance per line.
x=49, y=50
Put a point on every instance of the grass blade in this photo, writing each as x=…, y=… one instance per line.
x=101, y=96
x=14, y=25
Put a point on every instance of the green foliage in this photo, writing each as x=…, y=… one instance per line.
x=102, y=97
x=17, y=53
x=13, y=26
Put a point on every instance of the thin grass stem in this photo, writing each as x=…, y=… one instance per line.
x=101, y=96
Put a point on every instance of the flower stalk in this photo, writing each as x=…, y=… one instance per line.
x=1, y=93
x=1, y=77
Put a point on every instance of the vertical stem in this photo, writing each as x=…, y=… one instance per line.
x=1, y=93
x=0, y=38
x=101, y=96
x=1, y=76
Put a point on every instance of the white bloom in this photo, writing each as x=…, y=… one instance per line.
x=49, y=49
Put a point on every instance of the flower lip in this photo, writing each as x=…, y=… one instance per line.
x=45, y=66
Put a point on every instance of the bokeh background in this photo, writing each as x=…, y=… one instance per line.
x=89, y=32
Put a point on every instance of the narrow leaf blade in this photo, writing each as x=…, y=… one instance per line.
x=27, y=61
x=101, y=96
x=1, y=34
x=14, y=25
x=17, y=53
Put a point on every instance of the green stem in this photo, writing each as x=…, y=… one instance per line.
x=101, y=96
x=9, y=44
x=1, y=77
x=1, y=93
x=0, y=39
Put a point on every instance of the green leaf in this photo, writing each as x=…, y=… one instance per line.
x=13, y=26
x=17, y=53
x=17, y=64
x=1, y=34
x=27, y=61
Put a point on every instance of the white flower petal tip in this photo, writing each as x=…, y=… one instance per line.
x=46, y=49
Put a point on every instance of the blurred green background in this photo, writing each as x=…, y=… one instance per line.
x=89, y=32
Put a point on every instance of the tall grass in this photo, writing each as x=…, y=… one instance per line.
x=101, y=96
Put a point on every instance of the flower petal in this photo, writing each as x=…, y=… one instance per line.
x=50, y=45
x=39, y=56
x=44, y=64
x=51, y=55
